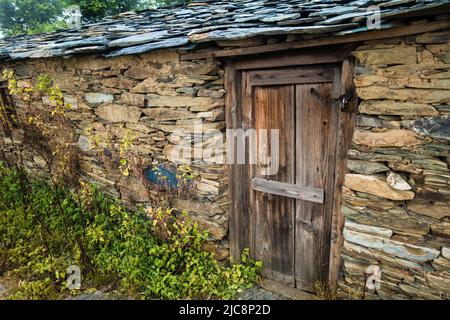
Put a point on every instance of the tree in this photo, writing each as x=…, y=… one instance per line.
x=37, y=16
x=29, y=16
x=95, y=10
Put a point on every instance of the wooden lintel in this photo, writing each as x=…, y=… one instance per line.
x=363, y=36
x=288, y=190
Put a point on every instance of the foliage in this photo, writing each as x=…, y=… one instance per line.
x=45, y=125
x=29, y=16
x=94, y=10
x=37, y=16
x=44, y=228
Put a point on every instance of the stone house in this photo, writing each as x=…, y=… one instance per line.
x=358, y=92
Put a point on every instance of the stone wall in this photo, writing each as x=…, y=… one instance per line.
x=147, y=97
x=396, y=196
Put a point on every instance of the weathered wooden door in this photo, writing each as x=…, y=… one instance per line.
x=288, y=185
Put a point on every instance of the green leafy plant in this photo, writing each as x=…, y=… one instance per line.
x=44, y=228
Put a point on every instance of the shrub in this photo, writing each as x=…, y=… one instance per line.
x=44, y=228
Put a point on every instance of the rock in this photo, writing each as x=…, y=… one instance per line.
x=439, y=281
x=366, y=167
x=436, y=127
x=397, y=182
x=370, y=122
x=178, y=101
x=397, y=108
x=215, y=230
x=133, y=99
x=139, y=127
x=374, y=255
x=396, y=248
x=376, y=231
x=168, y=114
x=209, y=209
x=441, y=229
x=446, y=253
x=139, y=73
x=98, y=98
x=84, y=143
x=118, y=113
x=390, y=138
x=396, y=219
x=375, y=186
x=138, y=39
x=388, y=56
x=211, y=93
x=414, y=95
x=132, y=189
x=118, y=83
x=415, y=292
x=433, y=210
x=40, y=161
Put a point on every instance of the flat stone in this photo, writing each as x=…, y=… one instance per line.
x=397, y=182
x=118, y=113
x=168, y=114
x=139, y=73
x=376, y=231
x=441, y=229
x=370, y=122
x=396, y=219
x=421, y=293
x=413, y=95
x=396, y=248
x=366, y=167
x=132, y=189
x=118, y=83
x=178, y=101
x=361, y=251
x=390, y=138
x=439, y=281
x=138, y=39
x=389, y=56
x=388, y=107
x=98, y=98
x=199, y=208
x=446, y=253
x=133, y=99
x=375, y=186
x=432, y=210
x=84, y=143
x=436, y=127
x=215, y=230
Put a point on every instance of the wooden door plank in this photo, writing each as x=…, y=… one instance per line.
x=315, y=128
x=293, y=76
x=288, y=190
x=345, y=133
x=237, y=225
x=248, y=206
x=274, y=241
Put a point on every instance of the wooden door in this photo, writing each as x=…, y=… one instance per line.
x=288, y=211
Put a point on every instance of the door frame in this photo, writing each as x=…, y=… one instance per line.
x=340, y=56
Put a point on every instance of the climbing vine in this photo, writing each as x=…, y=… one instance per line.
x=43, y=124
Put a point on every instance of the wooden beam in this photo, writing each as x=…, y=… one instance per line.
x=363, y=36
x=288, y=292
x=288, y=190
x=346, y=127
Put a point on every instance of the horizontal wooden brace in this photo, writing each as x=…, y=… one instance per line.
x=288, y=190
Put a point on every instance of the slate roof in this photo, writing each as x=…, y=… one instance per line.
x=212, y=20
